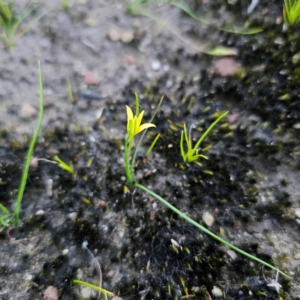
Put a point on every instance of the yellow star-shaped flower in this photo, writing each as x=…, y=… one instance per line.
x=134, y=123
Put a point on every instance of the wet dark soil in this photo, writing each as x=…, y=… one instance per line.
x=249, y=184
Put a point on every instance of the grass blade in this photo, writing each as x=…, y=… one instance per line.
x=95, y=287
x=30, y=151
x=208, y=131
x=152, y=145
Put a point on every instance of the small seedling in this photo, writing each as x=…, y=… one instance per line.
x=192, y=153
x=291, y=12
x=70, y=90
x=65, y=4
x=9, y=21
x=4, y=220
x=63, y=165
x=7, y=219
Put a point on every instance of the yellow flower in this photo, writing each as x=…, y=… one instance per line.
x=134, y=123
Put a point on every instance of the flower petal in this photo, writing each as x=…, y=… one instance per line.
x=139, y=118
x=144, y=126
x=129, y=113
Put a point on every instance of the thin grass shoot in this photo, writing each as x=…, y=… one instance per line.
x=152, y=145
x=95, y=287
x=191, y=154
x=291, y=12
x=63, y=165
x=22, y=186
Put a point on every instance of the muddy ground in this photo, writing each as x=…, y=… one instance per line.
x=248, y=187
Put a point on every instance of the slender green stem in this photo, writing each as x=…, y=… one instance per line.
x=128, y=146
x=137, y=104
x=30, y=152
x=202, y=228
x=152, y=145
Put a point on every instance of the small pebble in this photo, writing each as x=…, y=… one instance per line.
x=155, y=65
x=27, y=111
x=217, y=292
x=72, y=216
x=102, y=203
x=51, y=293
x=127, y=37
x=226, y=66
x=232, y=254
x=279, y=41
x=34, y=162
x=232, y=118
x=87, y=292
x=65, y=252
x=114, y=35
x=40, y=212
x=297, y=213
x=91, y=78
x=208, y=219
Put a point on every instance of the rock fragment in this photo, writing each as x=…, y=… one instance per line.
x=91, y=78
x=226, y=66
x=155, y=65
x=27, y=111
x=208, y=219
x=127, y=37
x=217, y=292
x=114, y=35
x=51, y=293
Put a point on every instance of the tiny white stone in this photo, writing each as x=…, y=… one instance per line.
x=27, y=277
x=217, y=292
x=27, y=111
x=155, y=65
x=72, y=216
x=232, y=254
x=208, y=219
x=127, y=36
x=87, y=292
x=65, y=251
x=40, y=212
